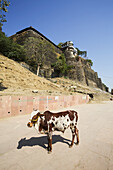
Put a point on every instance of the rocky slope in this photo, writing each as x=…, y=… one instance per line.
x=81, y=71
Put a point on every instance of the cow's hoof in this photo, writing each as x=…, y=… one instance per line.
x=49, y=152
x=77, y=143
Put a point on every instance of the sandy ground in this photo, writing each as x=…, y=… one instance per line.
x=22, y=148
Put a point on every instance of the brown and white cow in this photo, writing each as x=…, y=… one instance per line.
x=49, y=122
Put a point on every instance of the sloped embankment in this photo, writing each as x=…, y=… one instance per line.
x=16, y=80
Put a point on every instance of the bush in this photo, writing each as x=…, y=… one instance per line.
x=61, y=65
x=90, y=62
x=11, y=49
x=82, y=53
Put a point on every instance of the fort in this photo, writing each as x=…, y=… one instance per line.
x=22, y=35
x=80, y=71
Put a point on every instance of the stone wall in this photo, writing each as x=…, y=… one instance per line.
x=22, y=35
x=82, y=72
x=21, y=105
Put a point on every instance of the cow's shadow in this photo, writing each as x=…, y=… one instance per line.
x=41, y=141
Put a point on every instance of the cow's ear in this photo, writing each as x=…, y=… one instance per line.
x=41, y=115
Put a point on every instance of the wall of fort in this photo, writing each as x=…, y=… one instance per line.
x=81, y=71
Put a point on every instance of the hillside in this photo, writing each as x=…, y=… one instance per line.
x=16, y=80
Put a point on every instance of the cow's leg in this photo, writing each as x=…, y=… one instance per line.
x=73, y=136
x=77, y=135
x=49, y=142
x=74, y=132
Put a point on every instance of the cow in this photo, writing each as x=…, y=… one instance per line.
x=49, y=122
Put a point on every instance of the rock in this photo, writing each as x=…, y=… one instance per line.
x=34, y=91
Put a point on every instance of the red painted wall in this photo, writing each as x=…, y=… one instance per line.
x=18, y=105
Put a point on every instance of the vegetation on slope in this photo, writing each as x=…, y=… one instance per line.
x=60, y=66
x=33, y=52
x=39, y=52
x=11, y=49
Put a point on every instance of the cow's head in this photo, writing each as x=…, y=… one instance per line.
x=34, y=118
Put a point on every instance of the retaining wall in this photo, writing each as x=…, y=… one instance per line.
x=18, y=105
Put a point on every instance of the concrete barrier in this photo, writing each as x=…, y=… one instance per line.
x=18, y=105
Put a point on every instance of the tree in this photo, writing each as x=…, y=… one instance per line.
x=61, y=66
x=3, y=8
x=60, y=44
x=39, y=52
x=40, y=49
x=82, y=53
x=89, y=61
x=11, y=49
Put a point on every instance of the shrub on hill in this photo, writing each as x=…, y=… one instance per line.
x=11, y=49
x=60, y=66
x=89, y=61
x=34, y=52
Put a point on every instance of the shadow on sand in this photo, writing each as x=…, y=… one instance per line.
x=41, y=141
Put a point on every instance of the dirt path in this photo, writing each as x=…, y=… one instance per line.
x=22, y=148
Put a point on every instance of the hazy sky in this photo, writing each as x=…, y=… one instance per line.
x=88, y=23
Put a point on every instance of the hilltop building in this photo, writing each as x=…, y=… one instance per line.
x=69, y=50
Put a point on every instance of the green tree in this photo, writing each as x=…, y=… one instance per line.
x=39, y=52
x=61, y=65
x=89, y=61
x=11, y=49
x=60, y=44
x=3, y=9
x=82, y=53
